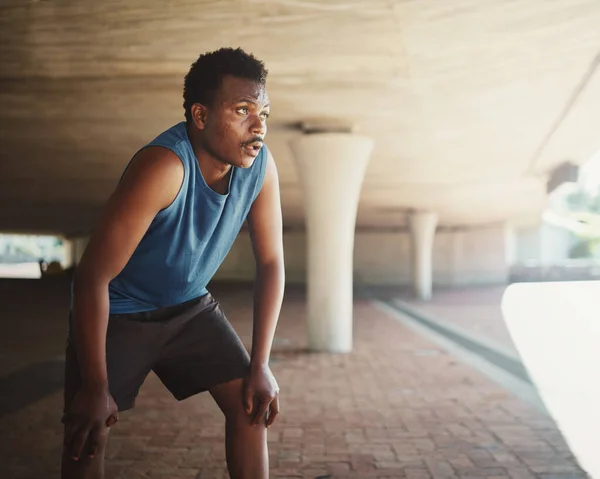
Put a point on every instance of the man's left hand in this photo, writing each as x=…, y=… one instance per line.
x=261, y=395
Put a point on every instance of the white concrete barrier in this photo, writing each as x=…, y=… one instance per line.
x=556, y=329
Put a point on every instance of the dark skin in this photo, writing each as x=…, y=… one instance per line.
x=227, y=133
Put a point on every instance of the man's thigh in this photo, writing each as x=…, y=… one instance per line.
x=131, y=348
x=201, y=352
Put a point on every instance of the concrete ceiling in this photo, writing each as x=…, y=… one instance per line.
x=470, y=102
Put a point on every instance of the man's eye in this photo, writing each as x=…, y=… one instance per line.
x=265, y=115
x=243, y=110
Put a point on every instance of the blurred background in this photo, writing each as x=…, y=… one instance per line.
x=484, y=171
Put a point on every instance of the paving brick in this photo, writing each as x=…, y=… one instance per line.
x=506, y=458
x=576, y=475
x=315, y=473
x=207, y=473
x=417, y=473
x=461, y=462
x=520, y=473
x=424, y=445
x=440, y=469
x=556, y=469
x=483, y=458
x=389, y=465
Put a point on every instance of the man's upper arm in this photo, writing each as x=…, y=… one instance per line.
x=150, y=184
x=265, y=220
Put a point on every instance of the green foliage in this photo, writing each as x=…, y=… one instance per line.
x=583, y=200
x=582, y=249
x=584, y=206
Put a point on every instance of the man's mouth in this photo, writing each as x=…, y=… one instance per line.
x=257, y=145
x=253, y=148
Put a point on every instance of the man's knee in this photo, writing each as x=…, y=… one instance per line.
x=229, y=398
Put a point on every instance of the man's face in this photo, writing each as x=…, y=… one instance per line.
x=236, y=123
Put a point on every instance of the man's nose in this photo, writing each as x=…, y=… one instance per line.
x=259, y=126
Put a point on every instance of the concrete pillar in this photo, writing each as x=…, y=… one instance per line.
x=76, y=248
x=422, y=231
x=331, y=167
x=69, y=255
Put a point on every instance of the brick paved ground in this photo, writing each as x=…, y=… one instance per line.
x=397, y=407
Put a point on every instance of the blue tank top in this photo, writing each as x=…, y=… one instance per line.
x=187, y=241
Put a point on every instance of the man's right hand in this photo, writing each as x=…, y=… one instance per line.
x=90, y=413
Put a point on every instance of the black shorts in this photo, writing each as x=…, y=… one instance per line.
x=191, y=347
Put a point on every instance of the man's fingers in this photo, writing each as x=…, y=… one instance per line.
x=78, y=442
x=273, y=411
x=261, y=412
x=71, y=428
x=93, y=442
x=248, y=400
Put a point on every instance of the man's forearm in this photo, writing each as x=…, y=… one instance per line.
x=268, y=296
x=90, y=322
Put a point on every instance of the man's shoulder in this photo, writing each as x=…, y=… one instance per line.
x=172, y=137
x=168, y=146
x=157, y=160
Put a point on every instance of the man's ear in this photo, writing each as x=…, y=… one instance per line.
x=199, y=114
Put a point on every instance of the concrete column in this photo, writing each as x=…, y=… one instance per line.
x=331, y=167
x=69, y=255
x=422, y=231
x=77, y=247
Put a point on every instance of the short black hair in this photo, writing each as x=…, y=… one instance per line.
x=205, y=75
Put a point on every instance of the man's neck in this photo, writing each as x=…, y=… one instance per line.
x=213, y=170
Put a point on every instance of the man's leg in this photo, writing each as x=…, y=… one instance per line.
x=85, y=467
x=130, y=346
x=202, y=352
x=246, y=445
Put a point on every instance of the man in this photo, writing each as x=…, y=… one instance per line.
x=139, y=294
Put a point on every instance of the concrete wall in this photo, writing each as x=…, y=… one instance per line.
x=475, y=256
x=528, y=244
x=556, y=243
x=467, y=257
x=543, y=243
